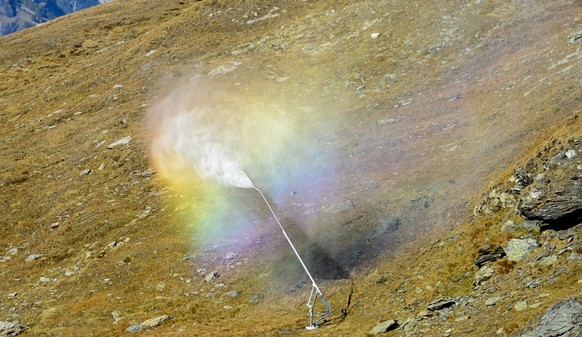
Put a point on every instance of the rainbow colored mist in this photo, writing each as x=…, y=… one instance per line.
x=206, y=136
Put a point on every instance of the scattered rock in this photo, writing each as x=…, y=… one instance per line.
x=119, y=142
x=520, y=306
x=533, y=283
x=85, y=172
x=389, y=224
x=148, y=324
x=493, y=300
x=255, y=299
x=340, y=206
x=489, y=253
x=575, y=37
x=518, y=249
x=55, y=225
x=233, y=293
x=389, y=120
x=483, y=275
x=43, y=279
x=135, y=328
x=565, y=234
x=374, y=35
x=526, y=229
x=211, y=276
x=33, y=257
x=9, y=329
x=384, y=327
x=12, y=251
x=161, y=286
x=118, y=86
x=574, y=256
x=441, y=304
x=231, y=256
x=116, y=316
x=548, y=260
x=224, y=69
x=153, y=322
x=563, y=319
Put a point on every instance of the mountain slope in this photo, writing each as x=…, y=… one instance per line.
x=374, y=130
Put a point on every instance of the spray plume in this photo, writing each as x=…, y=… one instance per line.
x=189, y=134
x=194, y=130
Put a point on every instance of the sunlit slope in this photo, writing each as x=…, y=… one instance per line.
x=368, y=125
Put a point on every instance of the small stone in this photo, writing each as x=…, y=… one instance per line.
x=43, y=279
x=574, y=256
x=12, y=295
x=85, y=172
x=389, y=224
x=231, y=256
x=518, y=249
x=489, y=253
x=153, y=322
x=548, y=260
x=384, y=327
x=389, y=120
x=493, y=300
x=374, y=35
x=233, y=293
x=565, y=234
x=135, y=328
x=571, y=154
x=483, y=275
x=150, y=53
x=118, y=86
x=33, y=257
x=441, y=304
x=211, y=276
x=575, y=37
x=227, y=307
x=121, y=141
x=55, y=225
x=533, y=283
x=222, y=70
x=161, y=286
x=255, y=299
x=116, y=316
x=13, y=251
x=340, y=206
x=520, y=306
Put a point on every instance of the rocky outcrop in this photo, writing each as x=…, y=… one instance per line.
x=9, y=329
x=547, y=188
x=563, y=319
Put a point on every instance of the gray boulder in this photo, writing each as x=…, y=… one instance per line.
x=518, y=249
x=563, y=319
x=9, y=329
x=384, y=327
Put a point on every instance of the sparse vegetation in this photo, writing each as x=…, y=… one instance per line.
x=457, y=95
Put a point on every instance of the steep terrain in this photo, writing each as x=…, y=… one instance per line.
x=398, y=141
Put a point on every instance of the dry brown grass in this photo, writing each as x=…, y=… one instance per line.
x=58, y=110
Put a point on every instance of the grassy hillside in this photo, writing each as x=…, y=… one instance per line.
x=375, y=129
